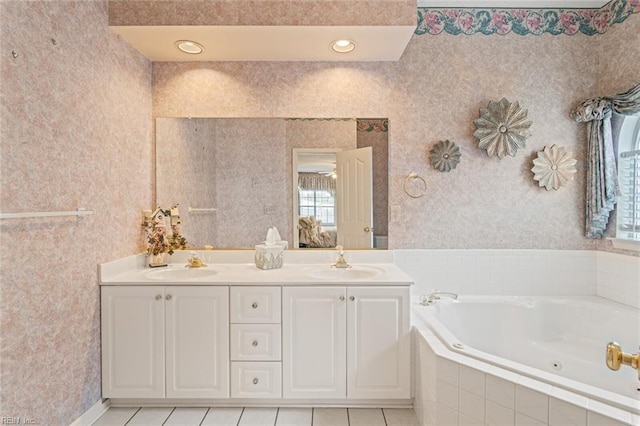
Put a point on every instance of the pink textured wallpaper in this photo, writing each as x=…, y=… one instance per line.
x=434, y=93
x=75, y=131
x=240, y=166
x=185, y=174
x=262, y=12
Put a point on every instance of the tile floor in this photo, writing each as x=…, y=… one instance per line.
x=258, y=417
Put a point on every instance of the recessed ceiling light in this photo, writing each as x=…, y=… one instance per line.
x=188, y=46
x=343, y=46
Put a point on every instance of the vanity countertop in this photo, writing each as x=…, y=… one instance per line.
x=234, y=270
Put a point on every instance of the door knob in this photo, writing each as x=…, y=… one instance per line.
x=367, y=229
x=168, y=297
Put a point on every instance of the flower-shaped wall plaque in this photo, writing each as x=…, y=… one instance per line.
x=445, y=156
x=502, y=128
x=554, y=167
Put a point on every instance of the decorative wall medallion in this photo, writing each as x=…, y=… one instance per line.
x=445, y=156
x=502, y=128
x=554, y=167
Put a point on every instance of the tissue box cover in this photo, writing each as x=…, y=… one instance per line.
x=269, y=257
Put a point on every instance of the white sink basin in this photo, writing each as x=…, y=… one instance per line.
x=181, y=274
x=344, y=274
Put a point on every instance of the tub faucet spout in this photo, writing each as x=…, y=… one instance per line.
x=428, y=299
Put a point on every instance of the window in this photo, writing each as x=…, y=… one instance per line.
x=628, y=217
x=318, y=203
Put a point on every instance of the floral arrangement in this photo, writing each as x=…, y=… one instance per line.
x=158, y=242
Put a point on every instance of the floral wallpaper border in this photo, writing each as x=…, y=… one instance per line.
x=525, y=21
x=373, y=125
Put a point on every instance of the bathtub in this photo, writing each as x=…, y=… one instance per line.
x=555, y=346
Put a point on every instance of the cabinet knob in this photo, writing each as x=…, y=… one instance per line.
x=168, y=297
x=352, y=298
x=254, y=305
x=254, y=343
x=342, y=298
x=255, y=381
x=158, y=297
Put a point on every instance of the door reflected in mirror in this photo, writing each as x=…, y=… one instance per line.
x=233, y=178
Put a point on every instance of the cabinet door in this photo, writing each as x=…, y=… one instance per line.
x=314, y=342
x=132, y=342
x=378, y=343
x=197, y=333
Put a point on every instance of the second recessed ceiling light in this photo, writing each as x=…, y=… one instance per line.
x=343, y=46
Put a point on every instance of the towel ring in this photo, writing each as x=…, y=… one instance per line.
x=411, y=177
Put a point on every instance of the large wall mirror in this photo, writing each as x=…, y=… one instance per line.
x=233, y=178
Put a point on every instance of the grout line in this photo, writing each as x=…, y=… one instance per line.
x=240, y=418
x=169, y=416
x=312, y=410
x=205, y=416
x=348, y=420
x=131, y=418
x=275, y=422
x=384, y=417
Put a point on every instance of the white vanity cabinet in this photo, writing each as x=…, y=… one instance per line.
x=256, y=369
x=165, y=341
x=346, y=342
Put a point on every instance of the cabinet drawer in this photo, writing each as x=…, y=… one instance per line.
x=255, y=342
x=255, y=305
x=256, y=380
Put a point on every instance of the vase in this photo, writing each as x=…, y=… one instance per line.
x=157, y=259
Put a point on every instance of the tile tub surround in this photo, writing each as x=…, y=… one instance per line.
x=451, y=389
x=524, y=273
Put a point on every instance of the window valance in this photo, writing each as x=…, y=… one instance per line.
x=316, y=182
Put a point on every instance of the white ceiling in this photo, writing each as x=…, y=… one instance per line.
x=516, y=4
x=316, y=162
x=268, y=43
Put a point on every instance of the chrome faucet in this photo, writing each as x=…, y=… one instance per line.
x=428, y=299
x=341, y=263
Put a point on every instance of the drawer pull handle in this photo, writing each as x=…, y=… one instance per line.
x=254, y=305
x=254, y=343
x=352, y=298
x=342, y=298
x=255, y=381
x=168, y=297
x=158, y=297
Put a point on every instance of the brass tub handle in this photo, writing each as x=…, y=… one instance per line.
x=616, y=358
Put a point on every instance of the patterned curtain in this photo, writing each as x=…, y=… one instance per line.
x=602, y=174
x=316, y=182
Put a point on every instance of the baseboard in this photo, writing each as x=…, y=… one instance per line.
x=92, y=414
